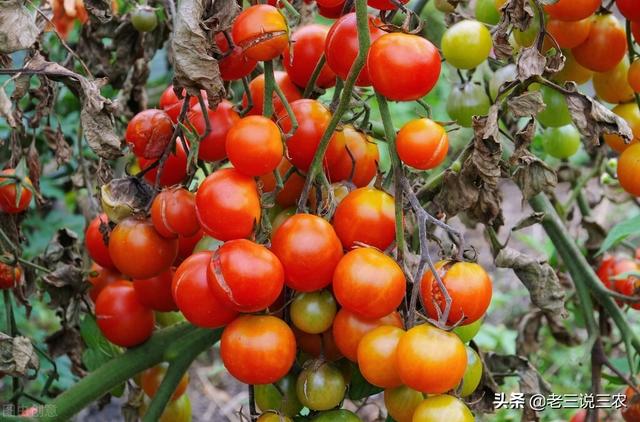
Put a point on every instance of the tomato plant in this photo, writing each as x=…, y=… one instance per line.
x=349, y=328
x=254, y=146
x=313, y=312
x=466, y=44
x=149, y=132
x=300, y=62
x=422, y=144
x=173, y=213
x=213, y=146
x=320, y=386
x=261, y=31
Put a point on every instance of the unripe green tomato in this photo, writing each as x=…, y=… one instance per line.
x=466, y=44
x=313, y=312
x=268, y=397
x=165, y=319
x=468, y=332
x=281, y=217
x=472, y=374
x=556, y=113
x=528, y=37
x=500, y=77
x=207, y=243
x=340, y=415
x=401, y=402
x=444, y=6
x=144, y=18
x=466, y=101
x=561, y=142
x=442, y=408
x=320, y=386
x=487, y=12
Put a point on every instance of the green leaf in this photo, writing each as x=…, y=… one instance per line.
x=360, y=387
x=94, y=340
x=620, y=232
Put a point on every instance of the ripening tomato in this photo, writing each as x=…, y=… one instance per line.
x=441, y=408
x=570, y=34
x=556, y=113
x=630, y=113
x=9, y=276
x=313, y=312
x=155, y=292
x=258, y=349
x=385, y=4
x=318, y=345
x=300, y=62
x=176, y=410
x=149, y=133
x=138, y=251
x=273, y=417
x=573, y=71
x=320, y=386
x=349, y=328
x=366, y=216
x=377, y=356
x=341, y=47
x=472, y=375
x=633, y=76
x=212, y=147
x=466, y=44
x=151, y=378
x=631, y=412
x=561, y=142
x=256, y=88
x=15, y=196
x=262, y=32
x=172, y=105
x=572, y=10
x=630, y=9
x=605, y=270
x=280, y=397
x=228, y=205
x=422, y=144
x=629, y=169
x=254, y=146
x=96, y=243
x=173, y=213
x=175, y=168
x=613, y=86
x=486, y=12
x=605, y=46
x=291, y=188
x=102, y=276
x=65, y=14
x=121, y=317
x=431, y=360
x=235, y=64
x=469, y=331
x=468, y=285
x=466, y=101
x=629, y=286
x=309, y=250
x=349, y=148
x=401, y=402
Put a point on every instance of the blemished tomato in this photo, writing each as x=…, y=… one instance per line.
x=469, y=331
x=630, y=9
x=137, y=250
x=606, y=270
x=254, y=146
x=444, y=6
x=236, y=64
x=291, y=188
x=341, y=47
x=172, y=105
x=245, y=276
x=155, y=292
x=309, y=250
x=572, y=10
x=308, y=47
x=377, y=356
x=556, y=112
x=441, y=408
x=320, y=386
x=95, y=243
x=605, y=46
x=151, y=378
x=573, y=71
x=273, y=417
x=472, y=375
x=633, y=76
x=431, y=360
x=258, y=349
x=569, y=34
x=631, y=412
x=173, y=213
x=9, y=276
x=121, y=317
x=313, y=312
x=613, y=86
x=466, y=44
x=401, y=402
x=422, y=144
x=486, y=12
x=385, y=4
x=176, y=411
x=366, y=216
x=175, y=168
x=339, y=415
x=469, y=287
x=629, y=169
x=101, y=277
x=262, y=32
x=627, y=286
x=256, y=88
x=9, y=200
x=561, y=142
x=318, y=345
x=349, y=328
x=212, y=147
x=630, y=113
x=193, y=296
x=466, y=101
x=347, y=148
x=149, y=132
x=280, y=397
x=228, y=205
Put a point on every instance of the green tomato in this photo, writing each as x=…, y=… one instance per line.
x=269, y=397
x=561, y=142
x=340, y=415
x=281, y=217
x=144, y=18
x=401, y=402
x=443, y=408
x=444, y=6
x=500, y=77
x=165, y=319
x=466, y=44
x=556, y=113
x=487, y=12
x=320, y=386
x=527, y=37
x=468, y=332
x=466, y=101
x=207, y=243
x=472, y=374
x=313, y=312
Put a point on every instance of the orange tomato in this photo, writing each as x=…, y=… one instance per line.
x=377, y=356
x=349, y=328
x=256, y=88
x=254, y=146
x=613, y=86
x=569, y=34
x=629, y=170
x=262, y=32
x=351, y=154
x=291, y=188
x=151, y=378
x=422, y=144
x=572, y=10
x=605, y=46
x=633, y=77
x=573, y=71
x=630, y=113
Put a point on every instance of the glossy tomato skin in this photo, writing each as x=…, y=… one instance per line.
x=195, y=300
x=633, y=76
x=369, y=283
x=569, y=34
x=401, y=402
x=631, y=114
x=245, y=276
x=172, y=105
x=366, y=216
x=258, y=349
x=466, y=101
x=222, y=119
x=443, y=407
x=466, y=44
x=377, y=356
x=254, y=146
x=332, y=12
x=613, y=86
x=320, y=386
x=280, y=397
x=385, y=4
x=349, y=328
x=635, y=31
x=561, y=142
x=556, y=112
x=101, y=278
x=348, y=145
x=94, y=241
x=472, y=375
x=9, y=276
x=572, y=10
x=606, y=270
x=186, y=246
x=151, y=378
x=9, y=194
x=422, y=144
x=155, y=292
x=256, y=88
x=309, y=251
x=291, y=189
x=175, y=168
x=228, y=205
x=431, y=360
x=149, y=132
x=631, y=412
x=308, y=46
x=629, y=170
x=630, y=9
x=234, y=65
x=605, y=46
x=313, y=312
x=341, y=47
x=173, y=213
x=121, y=317
x=253, y=23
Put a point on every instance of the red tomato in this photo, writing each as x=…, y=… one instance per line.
x=349, y=147
x=212, y=147
x=234, y=65
x=291, y=188
x=155, y=292
x=422, y=144
x=349, y=328
x=256, y=88
x=245, y=276
x=9, y=201
x=468, y=285
x=121, y=317
x=572, y=10
x=308, y=46
x=150, y=380
x=377, y=356
x=631, y=412
x=186, y=244
x=173, y=213
x=318, y=344
x=605, y=46
x=138, y=251
x=104, y=277
x=262, y=32
x=172, y=105
x=629, y=169
x=258, y=349
x=313, y=119
x=228, y=205
x=254, y=146
x=193, y=296
x=606, y=271
x=570, y=34
x=9, y=277
x=630, y=9
x=95, y=243
x=149, y=132
x=629, y=286
x=385, y=4
x=309, y=251
x=635, y=30
x=341, y=46
x=366, y=216
x=332, y=12
x=175, y=168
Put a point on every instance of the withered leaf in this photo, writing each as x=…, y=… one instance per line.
x=528, y=221
x=516, y=13
x=17, y=356
x=126, y=196
x=58, y=144
x=526, y=105
x=64, y=275
x=6, y=109
x=33, y=164
x=99, y=9
x=18, y=29
x=530, y=63
x=531, y=174
x=528, y=341
x=68, y=341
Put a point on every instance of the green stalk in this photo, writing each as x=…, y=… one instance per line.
x=269, y=86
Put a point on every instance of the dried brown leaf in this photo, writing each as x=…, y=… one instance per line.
x=126, y=196
x=58, y=144
x=528, y=104
x=17, y=356
x=514, y=13
x=531, y=174
x=18, y=29
x=530, y=63
x=68, y=341
x=6, y=108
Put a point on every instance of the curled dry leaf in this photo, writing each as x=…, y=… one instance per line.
x=126, y=196
x=527, y=104
x=514, y=13
x=58, y=144
x=17, y=356
x=6, y=109
x=530, y=63
x=99, y=9
x=527, y=341
x=67, y=341
x=531, y=174
x=18, y=29
x=528, y=221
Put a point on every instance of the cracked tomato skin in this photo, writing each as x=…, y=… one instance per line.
x=149, y=133
x=9, y=193
x=422, y=144
x=172, y=105
x=234, y=65
x=261, y=30
x=308, y=46
x=173, y=213
x=94, y=242
x=348, y=145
